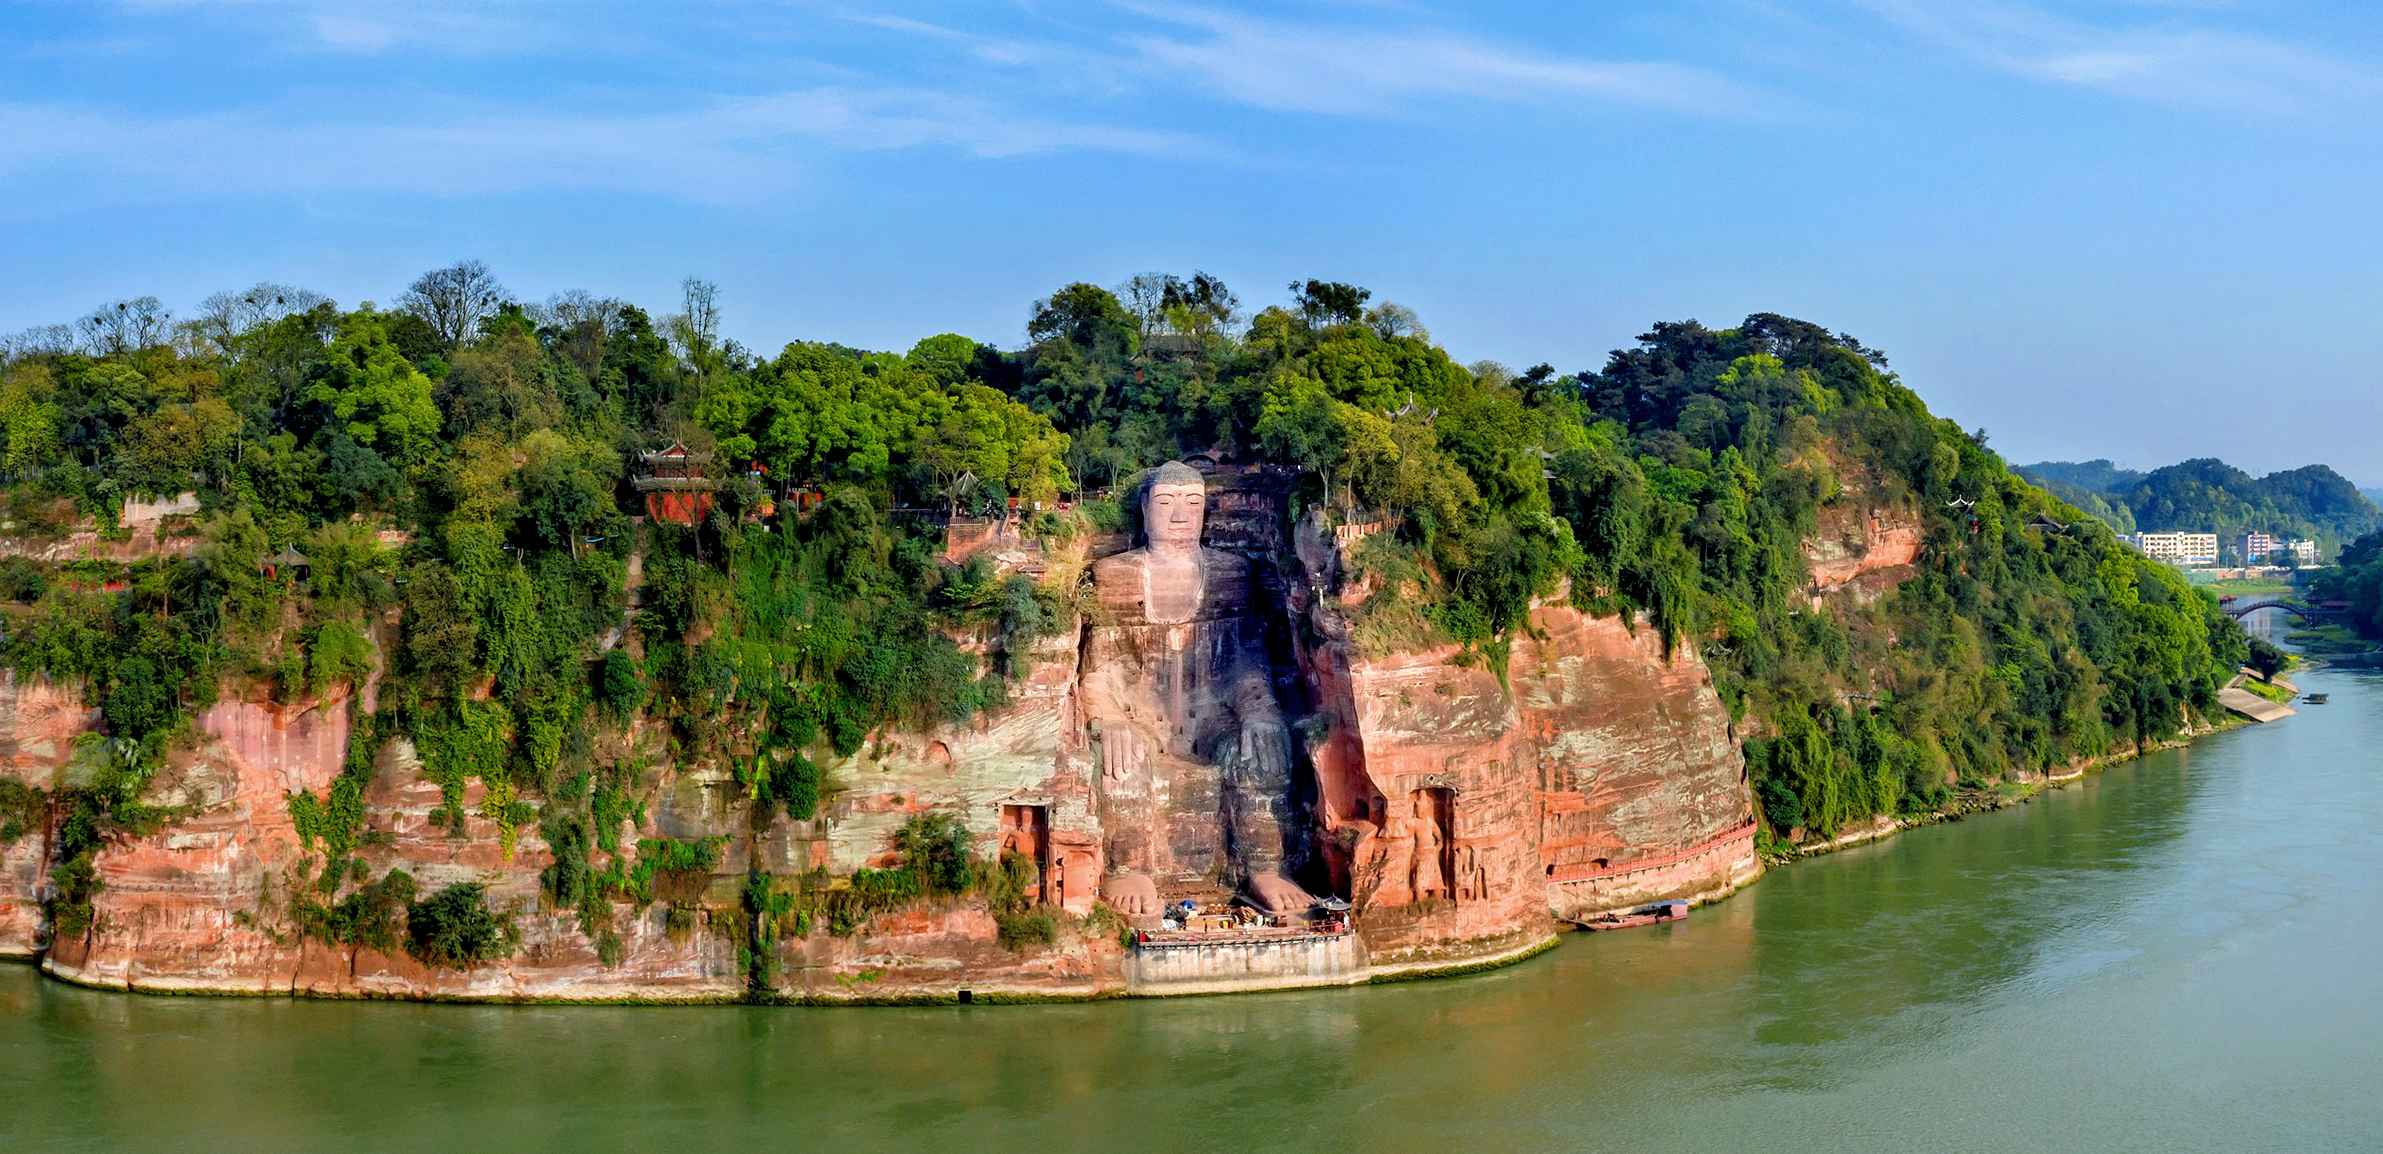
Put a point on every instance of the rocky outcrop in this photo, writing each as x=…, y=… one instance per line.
x=39, y=722
x=1863, y=543
x=1464, y=812
x=1017, y=777
x=196, y=905
x=204, y=903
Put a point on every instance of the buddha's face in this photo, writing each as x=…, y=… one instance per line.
x=1172, y=515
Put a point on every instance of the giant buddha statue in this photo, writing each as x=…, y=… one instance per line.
x=1194, y=757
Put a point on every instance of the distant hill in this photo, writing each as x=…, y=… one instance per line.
x=2092, y=486
x=2205, y=493
x=2096, y=476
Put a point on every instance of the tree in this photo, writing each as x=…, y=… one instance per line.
x=934, y=848
x=1329, y=302
x=1147, y=296
x=504, y=384
x=379, y=400
x=1201, y=306
x=566, y=487
x=947, y=358
x=232, y=555
x=1392, y=320
x=2266, y=658
x=577, y=324
x=225, y=316
x=39, y=341
x=179, y=446
x=985, y=440
x=1300, y=423
x=1086, y=316
x=29, y=419
x=453, y=300
x=125, y=325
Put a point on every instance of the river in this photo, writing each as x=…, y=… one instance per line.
x=2177, y=954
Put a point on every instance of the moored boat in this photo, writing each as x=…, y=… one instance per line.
x=2314, y=698
x=1646, y=915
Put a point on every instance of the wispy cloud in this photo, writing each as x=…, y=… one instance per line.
x=725, y=150
x=1005, y=51
x=367, y=28
x=2180, y=56
x=1352, y=70
x=1033, y=85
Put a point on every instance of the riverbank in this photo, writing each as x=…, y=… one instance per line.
x=1333, y=973
x=1968, y=803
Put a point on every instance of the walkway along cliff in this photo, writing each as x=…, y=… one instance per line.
x=1208, y=729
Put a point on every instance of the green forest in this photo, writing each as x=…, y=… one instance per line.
x=442, y=487
x=2207, y=494
x=2357, y=578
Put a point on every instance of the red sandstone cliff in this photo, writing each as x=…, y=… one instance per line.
x=1466, y=812
x=1457, y=811
x=203, y=903
x=1864, y=542
x=39, y=723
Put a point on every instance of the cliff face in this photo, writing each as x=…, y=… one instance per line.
x=202, y=904
x=1469, y=812
x=1458, y=814
x=1864, y=542
x=190, y=906
x=38, y=726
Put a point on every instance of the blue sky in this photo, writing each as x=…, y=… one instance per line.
x=2129, y=228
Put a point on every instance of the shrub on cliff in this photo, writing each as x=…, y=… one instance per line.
x=1008, y=882
x=1018, y=931
x=621, y=685
x=370, y=916
x=455, y=929
x=22, y=809
x=934, y=846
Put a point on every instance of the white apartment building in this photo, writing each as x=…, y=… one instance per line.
x=2182, y=549
x=2304, y=553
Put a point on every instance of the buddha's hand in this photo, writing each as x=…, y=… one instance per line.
x=1265, y=751
x=1120, y=752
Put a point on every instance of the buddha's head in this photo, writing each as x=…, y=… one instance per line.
x=1174, y=508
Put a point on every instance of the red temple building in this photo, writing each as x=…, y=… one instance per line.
x=675, y=486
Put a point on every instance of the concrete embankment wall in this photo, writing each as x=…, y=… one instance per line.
x=2253, y=706
x=1322, y=960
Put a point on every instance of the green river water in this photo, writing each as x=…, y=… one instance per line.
x=2178, y=954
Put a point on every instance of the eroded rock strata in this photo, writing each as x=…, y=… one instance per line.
x=1212, y=727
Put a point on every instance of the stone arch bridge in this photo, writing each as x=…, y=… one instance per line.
x=2311, y=614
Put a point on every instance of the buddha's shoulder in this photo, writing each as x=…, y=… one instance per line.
x=1116, y=566
x=1223, y=562
x=1117, y=578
